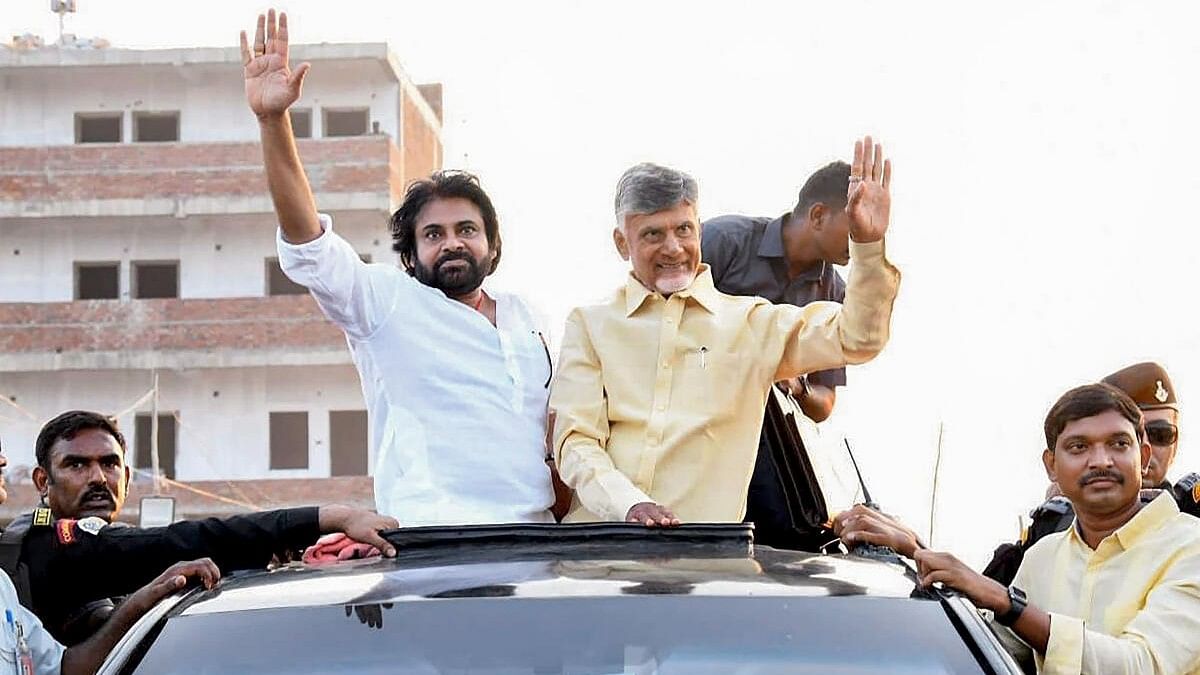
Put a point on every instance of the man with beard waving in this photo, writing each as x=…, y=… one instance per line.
x=456, y=378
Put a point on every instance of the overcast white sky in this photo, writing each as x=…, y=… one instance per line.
x=1044, y=195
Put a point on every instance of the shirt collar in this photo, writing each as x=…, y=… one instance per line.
x=1148, y=520
x=771, y=246
x=701, y=290
x=1152, y=517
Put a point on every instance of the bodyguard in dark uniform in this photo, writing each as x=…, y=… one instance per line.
x=789, y=260
x=1151, y=389
x=54, y=553
x=73, y=563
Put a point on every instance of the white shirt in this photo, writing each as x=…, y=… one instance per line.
x=46, y=652
x=456, y=406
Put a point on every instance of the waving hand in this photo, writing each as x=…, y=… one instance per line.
x=271, y=87
x=869, y=201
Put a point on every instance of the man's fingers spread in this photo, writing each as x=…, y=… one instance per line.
x=856, y=167
x=259, y=30
x=245, y=48
x=877, y=165
x=887, y=174
x=270, y=26
x=868, y=158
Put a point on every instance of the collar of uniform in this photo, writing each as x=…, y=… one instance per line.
x=701, y=290
x=1150, y=518
x=771, y=246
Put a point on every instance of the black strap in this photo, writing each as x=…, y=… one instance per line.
x=11, y=541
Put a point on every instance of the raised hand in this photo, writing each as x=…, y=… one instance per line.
x=271, y=87
x=869, y=203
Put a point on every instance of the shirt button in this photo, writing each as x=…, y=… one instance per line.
x=670, y=320
x=661, y=407
x=666, y=365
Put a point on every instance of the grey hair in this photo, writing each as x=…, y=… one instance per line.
x=650, y=188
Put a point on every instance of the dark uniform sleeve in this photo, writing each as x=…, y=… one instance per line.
x=70, y=566
x=1006, y=560
x=1187, y=494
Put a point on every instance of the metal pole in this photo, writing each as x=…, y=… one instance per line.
x=154, y=438
x=937, y=467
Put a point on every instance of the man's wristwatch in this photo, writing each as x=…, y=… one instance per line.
x=1016, y=606
x=805, y=392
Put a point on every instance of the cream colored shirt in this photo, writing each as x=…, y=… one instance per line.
x=661, y=399
x=1132, y=605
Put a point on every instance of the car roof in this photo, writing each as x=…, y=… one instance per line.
x=557, y=561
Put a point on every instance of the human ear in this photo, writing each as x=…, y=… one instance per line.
x=621, y=243
x=1048, y=463
x=816, y=216
x=40, y=480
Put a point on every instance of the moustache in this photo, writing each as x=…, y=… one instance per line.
x=1101, y=475
x=104, y=494
x=452, y=256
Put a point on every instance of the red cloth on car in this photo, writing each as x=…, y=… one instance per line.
x=337, y=546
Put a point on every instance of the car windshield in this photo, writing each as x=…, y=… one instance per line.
x=594, y=636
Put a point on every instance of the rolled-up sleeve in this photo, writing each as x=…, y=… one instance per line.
x=581, y=429
x=1163, y=638
x=824, y=335
x=353, y=294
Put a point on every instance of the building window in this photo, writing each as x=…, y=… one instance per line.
x=155, y=127
x=98, y=127
x=347, y=442
x=167, y=439
x=155, y=279
x=278, y=283
x=97, y=281
x=301, y=122
x=289, y=440
x=345, y=121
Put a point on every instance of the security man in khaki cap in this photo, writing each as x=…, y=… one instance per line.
x=1151, y=389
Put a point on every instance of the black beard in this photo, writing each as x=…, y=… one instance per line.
x=453, y=284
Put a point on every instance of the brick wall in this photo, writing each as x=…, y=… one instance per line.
x=422, y=147
x=138, y=171
x=291, y=321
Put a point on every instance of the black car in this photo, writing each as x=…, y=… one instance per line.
x=587, y=599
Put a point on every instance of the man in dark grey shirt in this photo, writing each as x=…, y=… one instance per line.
x=788, y=259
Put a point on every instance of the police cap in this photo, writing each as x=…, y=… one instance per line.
x=1147, y=384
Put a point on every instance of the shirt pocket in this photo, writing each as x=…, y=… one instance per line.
x=710, y=382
